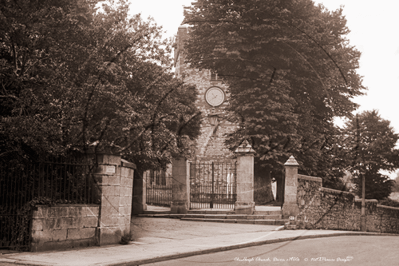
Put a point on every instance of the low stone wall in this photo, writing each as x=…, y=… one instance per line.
x=386, y=219
x=67, y=226
x=323, y=208
x=64, y=226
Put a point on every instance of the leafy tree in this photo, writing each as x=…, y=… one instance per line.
x=78, y=76
x=290, y=70
x=369, y=147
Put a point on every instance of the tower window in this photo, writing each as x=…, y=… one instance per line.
x=214, y=76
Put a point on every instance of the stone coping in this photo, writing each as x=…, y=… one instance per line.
x=335, y=191
x=310, y=178
x=387, y=207
x=128, y=164
x=68, y=205
x=367, y=200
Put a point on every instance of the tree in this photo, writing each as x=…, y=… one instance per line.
x=77, y=76
x=290, y=70
x=368, y=148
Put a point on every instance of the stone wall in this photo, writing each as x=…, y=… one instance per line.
x=67, y=226
x=64, y=226
x=384, y=219
x=323, y=208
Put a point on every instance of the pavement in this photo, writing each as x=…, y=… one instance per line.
x=161, y=239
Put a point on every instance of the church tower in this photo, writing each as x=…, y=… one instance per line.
x=212, y=101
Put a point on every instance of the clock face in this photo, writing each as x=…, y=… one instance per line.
x=214, y=96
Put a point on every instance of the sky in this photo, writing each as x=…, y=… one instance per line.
x=374, y=27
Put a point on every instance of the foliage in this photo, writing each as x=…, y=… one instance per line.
x=290, y=70
x=368, y=146
x=17, y=226
x=77, y=76
x=24, y=185
x=378, y=186
x=389, y=202
x=395, y=187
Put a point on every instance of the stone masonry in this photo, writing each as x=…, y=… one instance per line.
x=68, y=226
x=290, y=207
x=64, y=226
x=245, y=179
x=180, y=187
x=211, y=142
x=323, y=208
x=115, y=180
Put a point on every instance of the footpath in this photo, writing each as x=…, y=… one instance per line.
x=161, y=239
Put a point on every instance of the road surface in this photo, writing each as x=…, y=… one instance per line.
x=344, y=250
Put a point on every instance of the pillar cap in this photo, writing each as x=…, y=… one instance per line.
x=291, y=162
x=128, y=164
x=244, y=147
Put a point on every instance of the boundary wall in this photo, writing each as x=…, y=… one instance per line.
x=318, y=207
x=68, y=226
x=64, y=226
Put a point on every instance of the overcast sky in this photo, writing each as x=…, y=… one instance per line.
x=374, y=27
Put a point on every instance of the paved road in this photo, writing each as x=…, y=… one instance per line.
x=345, y=250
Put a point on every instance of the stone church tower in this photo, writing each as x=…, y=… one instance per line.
x=212, y=101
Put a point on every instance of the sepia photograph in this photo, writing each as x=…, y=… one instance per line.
x=199, y=132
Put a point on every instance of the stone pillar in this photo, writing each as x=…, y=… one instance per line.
x=245, y=203
x=180, y=186
x=290, y=206
x=139, y=194
x=168, y=175
x=125, y=196
x=114, y=178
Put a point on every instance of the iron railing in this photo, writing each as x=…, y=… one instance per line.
x=24, y=185
x=159, y=195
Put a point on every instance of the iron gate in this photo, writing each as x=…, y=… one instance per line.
x=213, y=185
